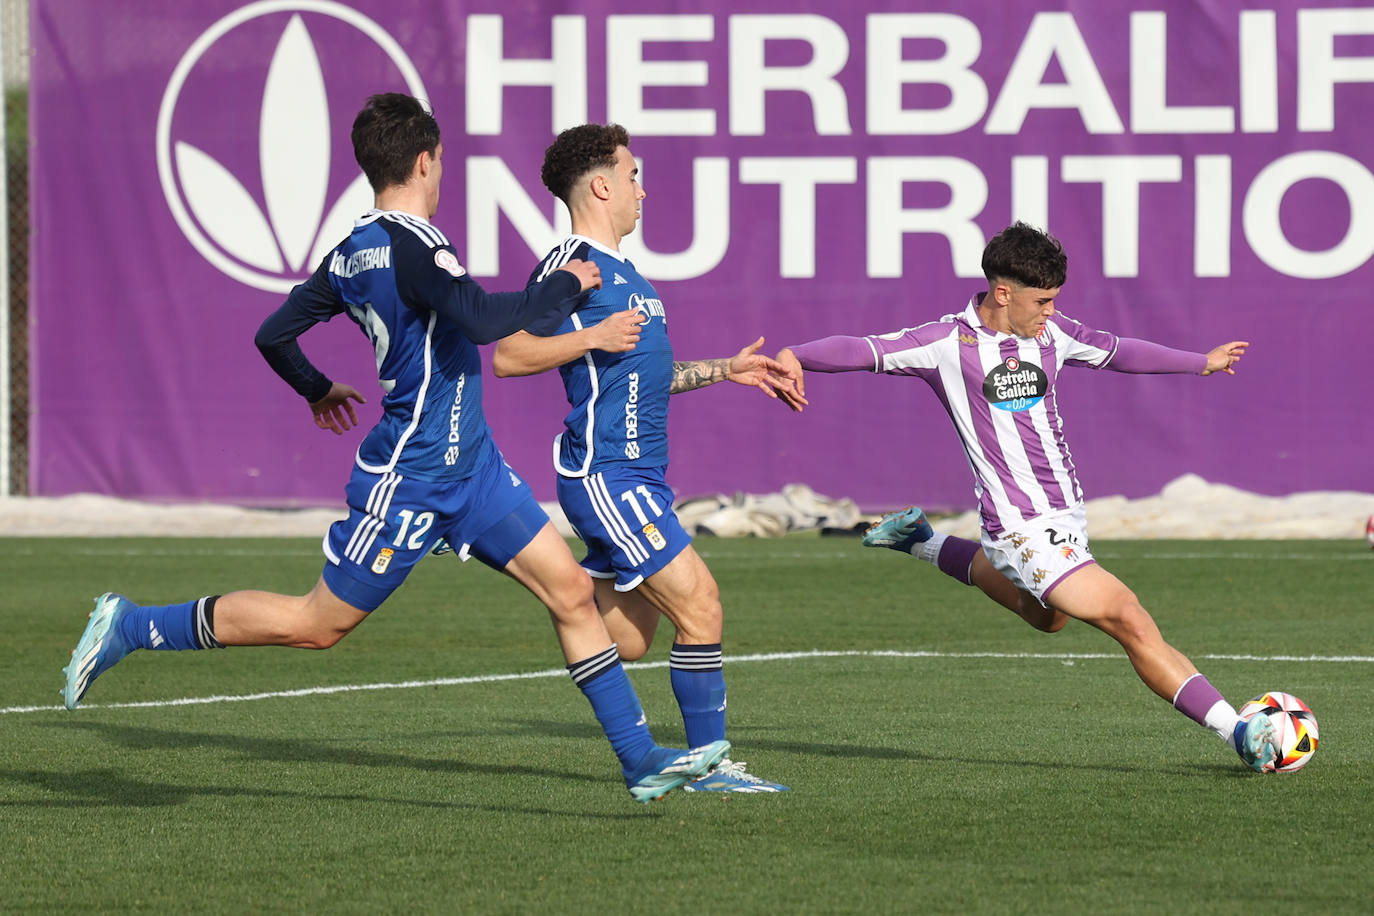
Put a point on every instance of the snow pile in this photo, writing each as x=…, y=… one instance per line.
x=1188, y=507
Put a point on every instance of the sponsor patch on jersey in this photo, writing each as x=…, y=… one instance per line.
x=448, y=261
x=655, y=537
x=383, y=560
x=649, y=308
x=1014, y=384
x=968, y=340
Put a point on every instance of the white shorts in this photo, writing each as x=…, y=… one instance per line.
x=1041, y=553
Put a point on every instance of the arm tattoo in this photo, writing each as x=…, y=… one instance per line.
x=698, y=374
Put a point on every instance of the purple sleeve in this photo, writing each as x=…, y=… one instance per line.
x=837, y=354
x=1142, y=357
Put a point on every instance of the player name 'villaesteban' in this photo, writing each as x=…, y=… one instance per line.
x=359, y=261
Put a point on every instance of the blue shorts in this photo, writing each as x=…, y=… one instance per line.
x=393, y=521
x=625, y=517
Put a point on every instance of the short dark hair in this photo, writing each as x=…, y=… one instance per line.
x=390, y=131
x=1026, y=255
x=579, y=150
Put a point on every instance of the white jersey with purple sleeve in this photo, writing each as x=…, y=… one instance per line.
x=618, y=401
x=999, y=391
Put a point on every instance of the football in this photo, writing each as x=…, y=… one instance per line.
x=1295, y=728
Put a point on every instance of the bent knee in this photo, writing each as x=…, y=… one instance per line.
x=1051, y=621
x=1130, y=622
x=573, y=598
x=699, y=622
x=319, y=639
x=1043, y=618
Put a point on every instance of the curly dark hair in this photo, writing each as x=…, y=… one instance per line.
x=1026, y=255
x=390, y=131
x=577, y=151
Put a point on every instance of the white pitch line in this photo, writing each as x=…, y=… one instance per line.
x=734, y=659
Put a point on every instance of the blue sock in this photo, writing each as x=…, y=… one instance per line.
x=190, y=625
x=603, y=680
x=699, y=684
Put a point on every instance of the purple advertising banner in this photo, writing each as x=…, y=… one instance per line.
x=811, y=168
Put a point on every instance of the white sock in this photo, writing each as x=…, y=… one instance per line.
x=1222, y=719
x=929, y=550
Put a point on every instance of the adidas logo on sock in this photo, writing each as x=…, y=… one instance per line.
x=154, y=635
x=619, y=280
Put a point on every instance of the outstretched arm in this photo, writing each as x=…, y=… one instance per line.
x=524, y=353
x=1144, y=357
x=431, y=279
x=1224, y=357
x=747, y=367
x=829, y=354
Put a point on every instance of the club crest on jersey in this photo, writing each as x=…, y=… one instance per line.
x=1016, y=385
x=655, y=537
x=383, y=560
x=448, y=261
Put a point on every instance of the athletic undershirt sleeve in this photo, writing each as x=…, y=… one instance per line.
x=1142, y=357
x=837, y=354
x=483, y=317
x=307, y=305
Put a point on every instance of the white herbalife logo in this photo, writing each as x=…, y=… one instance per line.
x=274, y=250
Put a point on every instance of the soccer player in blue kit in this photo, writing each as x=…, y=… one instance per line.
x=618, y=371
x=428, y=469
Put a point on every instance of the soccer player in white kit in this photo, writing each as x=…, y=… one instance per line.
x=994, y=367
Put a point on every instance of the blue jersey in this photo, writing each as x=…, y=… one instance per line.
x=619, y=401
x=397, y=277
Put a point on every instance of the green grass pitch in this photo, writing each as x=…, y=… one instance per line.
x=943, y=757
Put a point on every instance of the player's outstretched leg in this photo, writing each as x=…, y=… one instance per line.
x=664, y=769
x=731, y=776
x=100, y=646
x=1254, y=740
x=900, y=530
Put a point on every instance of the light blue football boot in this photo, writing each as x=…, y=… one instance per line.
x=99, y=648
x=731, y=776
x=1255, y=741
x=900, y=530
x=666, y=768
